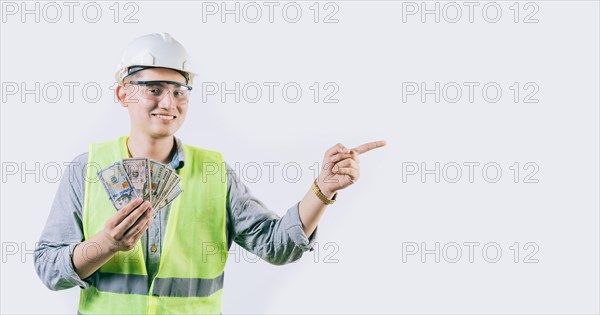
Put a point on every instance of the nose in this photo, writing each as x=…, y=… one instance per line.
x=167, y=102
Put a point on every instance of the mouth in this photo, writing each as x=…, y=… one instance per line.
x=164, y=117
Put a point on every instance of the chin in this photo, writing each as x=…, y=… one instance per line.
x=157, y=134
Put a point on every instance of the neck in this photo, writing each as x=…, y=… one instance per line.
x=156, y=149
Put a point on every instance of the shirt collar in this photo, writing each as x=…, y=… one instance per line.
x=178, y=159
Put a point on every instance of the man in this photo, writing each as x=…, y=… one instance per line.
x=130, y=261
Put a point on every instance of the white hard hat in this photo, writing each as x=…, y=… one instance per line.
x=155, y=50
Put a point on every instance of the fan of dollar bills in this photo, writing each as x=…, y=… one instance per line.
x=140, y=177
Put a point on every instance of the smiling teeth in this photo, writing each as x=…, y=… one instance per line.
x=165, y=117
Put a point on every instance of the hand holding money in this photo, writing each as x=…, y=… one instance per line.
x=124, y=229
x=121, y=232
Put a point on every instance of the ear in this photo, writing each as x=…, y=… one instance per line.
x=121, y=94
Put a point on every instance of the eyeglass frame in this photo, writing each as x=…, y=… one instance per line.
x=157, y=82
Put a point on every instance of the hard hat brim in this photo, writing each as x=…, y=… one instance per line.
x=134, y=69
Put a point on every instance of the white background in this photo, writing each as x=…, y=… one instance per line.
x=368, y=54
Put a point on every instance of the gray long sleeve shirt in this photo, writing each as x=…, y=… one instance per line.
x=278, y=240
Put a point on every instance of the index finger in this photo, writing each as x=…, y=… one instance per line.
x=369, y=146
x=128, y=208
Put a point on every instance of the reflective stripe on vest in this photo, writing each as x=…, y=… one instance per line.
x=191, y=270
x=138, y=284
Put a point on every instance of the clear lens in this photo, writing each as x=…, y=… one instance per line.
x=157, y=90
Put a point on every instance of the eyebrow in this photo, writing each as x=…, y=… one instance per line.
x=155, y=83
x=162, y=83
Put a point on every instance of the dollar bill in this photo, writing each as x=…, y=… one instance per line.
x=138, y=171
x=172, y=182
x=117, y=185
x=174, y=193
x=160, y=174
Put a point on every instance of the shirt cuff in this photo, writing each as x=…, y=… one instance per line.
x=69, y=269
x=294, y=229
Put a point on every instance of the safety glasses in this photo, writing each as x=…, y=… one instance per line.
x=157, y=90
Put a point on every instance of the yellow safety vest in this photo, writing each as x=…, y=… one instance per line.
x=194, y=251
